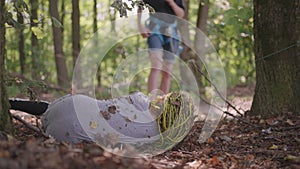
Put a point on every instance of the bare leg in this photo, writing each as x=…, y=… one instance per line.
x=166, y=77
x=156, y=66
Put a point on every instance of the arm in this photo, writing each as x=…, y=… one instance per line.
x=178, y=10
x=144, y=31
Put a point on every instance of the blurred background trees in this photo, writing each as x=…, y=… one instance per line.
x=59, y=28
x=40, y=41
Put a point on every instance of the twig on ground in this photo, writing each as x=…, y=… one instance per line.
x=286, y=128
x=230, y=114
x=242, y=120
x=218, y=92
x=30, y=126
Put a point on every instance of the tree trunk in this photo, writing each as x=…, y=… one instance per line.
x=5, y=119
x=185, y=38
x=63, y=14
x=75, y=30
x=60, y=61
x=95, y=29
x=34, y=41
x=276, y=33
x=185, y=33
x=199, y=38
x=202, y=15
x=21, y=42
x=112, y=17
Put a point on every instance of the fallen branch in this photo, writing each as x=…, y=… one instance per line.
x=230, y=114
x=21, y=79
x=218, y=92
x=242, y=120
x=286, y=128
x=35, y=129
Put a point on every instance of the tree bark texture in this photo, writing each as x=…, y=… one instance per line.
x=60, y=61
x=35, y=67
x=200, y=38
x=276, y=34
x=5, y=119
x=186, y=53
x=21, y=43
x=95, y=29
x=75, y=30
x=185, y=33
x=63, y=14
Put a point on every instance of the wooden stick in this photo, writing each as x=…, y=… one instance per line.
x=230, y=114
x=35, y=129
x=215, y=87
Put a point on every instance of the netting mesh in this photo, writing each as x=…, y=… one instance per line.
x=176, y=118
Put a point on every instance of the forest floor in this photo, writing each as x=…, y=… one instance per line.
x=254, y=143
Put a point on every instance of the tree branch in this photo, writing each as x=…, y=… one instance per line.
x=35, y=129
x=218, y=92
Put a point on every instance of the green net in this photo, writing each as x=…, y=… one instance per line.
x=176, y=118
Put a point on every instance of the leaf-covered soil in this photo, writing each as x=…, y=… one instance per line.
x=264, y=143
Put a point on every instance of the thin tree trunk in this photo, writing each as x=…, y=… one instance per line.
x=63, y=14
x=35, y=69
x=61, y=67
x=62, y=19
x=43, y=8
x=185, y=38
x=75, y=30
x=5, y=119
x=199, y=37
x=276, y=27
x=112, y=17
x=21, y=42
x=202, y=15
x=95, y=29
x=185, y=33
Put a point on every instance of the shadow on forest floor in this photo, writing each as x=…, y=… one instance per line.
x=267, y=143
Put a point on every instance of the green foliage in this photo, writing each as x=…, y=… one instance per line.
x=23, y=86
x=123, y=7
x=38, y=32
x=230, y=25
x=56, y=23
x=230, y=28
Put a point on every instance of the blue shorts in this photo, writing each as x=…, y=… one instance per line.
x=155, y=43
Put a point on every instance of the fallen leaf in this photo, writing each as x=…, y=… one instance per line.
x=194, y=164
x=4, y=154
x=93, y=124
x=210, y=140
x=127, y=119
x=268, y=131
x=290, y=122
x=272, y=121
x=261, y=121
x=291, y=158
x=105, y=115
x=112, y=109
x=214, y=160
x=225, y=138
x=274, y=147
